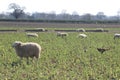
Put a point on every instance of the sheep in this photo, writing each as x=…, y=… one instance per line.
x=80, y=30
x=116, y=35
x=41, y=29
x=26, y=50
x=99, y=30
x=82, y=35
x=62, y=34
x=32, y=34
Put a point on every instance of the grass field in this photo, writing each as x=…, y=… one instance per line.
x=62, y=58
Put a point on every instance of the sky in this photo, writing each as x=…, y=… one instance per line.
x=109, y=7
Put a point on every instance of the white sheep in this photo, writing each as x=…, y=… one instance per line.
x=29, y=49
x=82, y=35
x=99, y=29
x=62, y=34
x=80, y=30
x=116, y=35
x=32, y=34
x=41, y=29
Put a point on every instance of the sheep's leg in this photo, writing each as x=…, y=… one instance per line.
x=27, y=60
x=37, y=56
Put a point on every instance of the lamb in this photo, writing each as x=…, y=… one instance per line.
x=116, y=35
x=32, y=34
x=82, y=35
x=62, y=34
x=26, y=50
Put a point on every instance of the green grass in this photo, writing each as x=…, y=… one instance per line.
x=61, y=58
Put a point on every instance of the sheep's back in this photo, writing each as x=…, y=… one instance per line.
x=30, y=50
x=31, y=46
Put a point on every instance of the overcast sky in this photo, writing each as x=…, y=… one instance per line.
x=109, y=7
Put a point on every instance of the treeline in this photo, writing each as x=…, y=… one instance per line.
x=61, y=18
x=19, y=15
x=63, y=21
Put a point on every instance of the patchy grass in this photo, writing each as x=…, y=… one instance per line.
x=62, y=58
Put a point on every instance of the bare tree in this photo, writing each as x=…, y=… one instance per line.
x=87, y=17
x=75, y=16
x=17, y=10
x=100, y=15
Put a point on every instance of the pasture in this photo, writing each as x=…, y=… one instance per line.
x=67, y=58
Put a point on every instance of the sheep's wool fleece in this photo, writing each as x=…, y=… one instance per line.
x=28, y=49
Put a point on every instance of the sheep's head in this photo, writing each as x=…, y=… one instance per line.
x=16, y=44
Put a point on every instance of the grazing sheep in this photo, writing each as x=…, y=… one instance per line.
x=32, y=34
x=41, y=29
x=116, y=35
x=80, y=30
x=62, y=34
x=82, y=35
x=99, y=30
x=27, y=50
